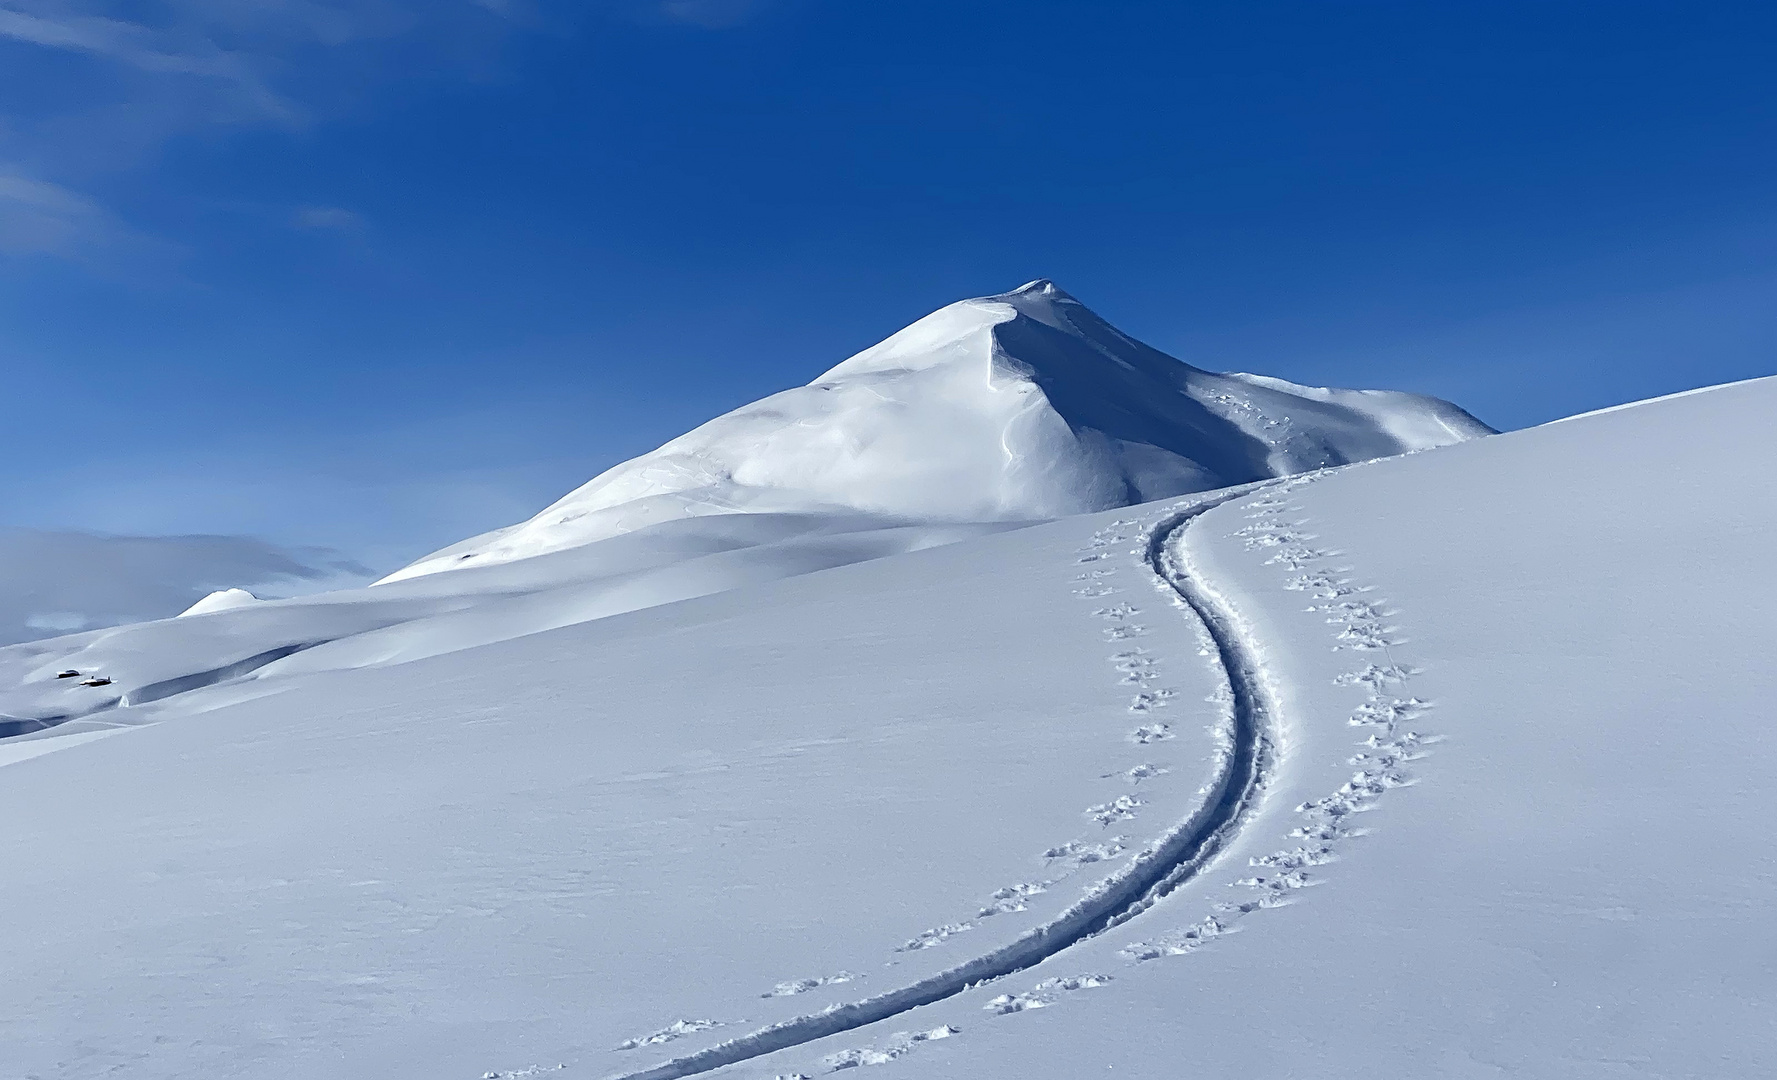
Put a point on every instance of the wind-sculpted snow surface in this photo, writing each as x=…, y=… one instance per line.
x=1018, y=407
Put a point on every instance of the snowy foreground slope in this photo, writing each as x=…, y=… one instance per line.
x=1453, y=764
x=987, y=415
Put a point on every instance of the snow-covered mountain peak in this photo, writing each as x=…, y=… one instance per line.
x=944, y=336
x=1021, y=406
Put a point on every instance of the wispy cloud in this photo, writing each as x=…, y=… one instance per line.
x=41, y=218
x=150, y=70
x=139, y=46
x=132, y=43
x=134, y=74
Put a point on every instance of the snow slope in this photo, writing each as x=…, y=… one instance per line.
x=537, y=848
x=1450, y=764
x=987, y=415
x=1566, y=873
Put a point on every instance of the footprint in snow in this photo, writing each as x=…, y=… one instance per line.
x=1297, y=557
x=1043, y=994
x=897, y=1045
x=1082, y=853
x=1149, y=700
x=1374, y=676
x=1122, y=808
x=803, y=986
x=678, y=1029
x=1386, y=714
x=1363, y=638
x=1012, y=898
x=1185, y=941
x=935, y=936
x=1144, y=771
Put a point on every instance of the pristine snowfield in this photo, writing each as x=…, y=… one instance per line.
x=1452, y=764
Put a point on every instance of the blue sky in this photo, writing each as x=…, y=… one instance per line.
x=379, y=275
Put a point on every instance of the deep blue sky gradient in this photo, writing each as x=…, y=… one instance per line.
x=381, y=275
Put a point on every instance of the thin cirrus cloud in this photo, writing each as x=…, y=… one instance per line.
x=38, y=218
x=145, y=73
x=167, y=52
x=132, y=43
x=167, y=67
x=150, y=72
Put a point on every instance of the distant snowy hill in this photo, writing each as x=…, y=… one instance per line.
x=1019, y=407
x=59, y=582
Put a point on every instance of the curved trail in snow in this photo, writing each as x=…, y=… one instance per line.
x=1175, y=858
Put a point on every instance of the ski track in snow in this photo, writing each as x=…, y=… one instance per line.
x=1384, y=714
x=1156, y=870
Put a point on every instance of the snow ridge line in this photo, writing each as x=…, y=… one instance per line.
x=1172, y=860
